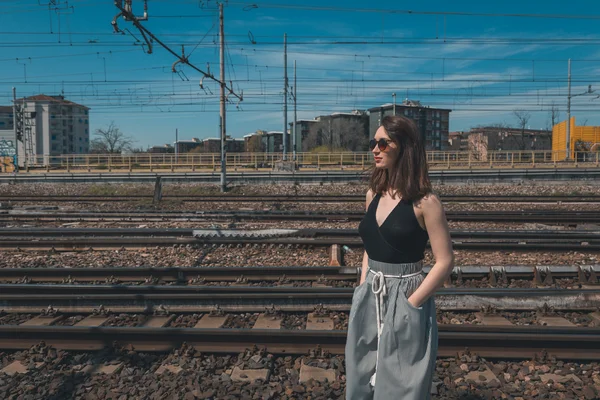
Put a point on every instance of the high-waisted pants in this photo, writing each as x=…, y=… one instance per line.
x=391, y=346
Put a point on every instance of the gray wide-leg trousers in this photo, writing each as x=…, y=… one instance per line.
x=403, y=354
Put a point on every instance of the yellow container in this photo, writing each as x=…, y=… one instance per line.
x=589, y=135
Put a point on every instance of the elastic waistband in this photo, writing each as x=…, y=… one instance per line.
x=396, y=269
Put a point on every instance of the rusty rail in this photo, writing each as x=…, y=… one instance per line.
x=551, y=216
x=70, y=299
x=293, y=198
x=492, y=342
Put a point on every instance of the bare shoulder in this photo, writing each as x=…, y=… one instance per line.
x=429, y=202
x=369, y=198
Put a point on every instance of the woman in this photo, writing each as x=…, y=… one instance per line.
x=392, y=331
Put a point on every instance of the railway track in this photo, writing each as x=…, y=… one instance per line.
x=294, y=198
x=70, y=239
x=161, y=318
x=328, y=275
x=543, y=216
x=154, y=334
x=558, y=235
x=490, y=342
x=83, y=298
x=182, y=275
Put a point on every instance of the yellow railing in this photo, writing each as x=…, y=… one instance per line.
x=144, y=162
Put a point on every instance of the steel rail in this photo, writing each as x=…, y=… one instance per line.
x=293, y=198
x=102, y=243
x=492, y=342
x=180, y=275
x=73, y=299
x=508, y=174
x=569, y=217
x=37, y=232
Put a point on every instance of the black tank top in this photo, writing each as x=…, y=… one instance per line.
x=400, y=239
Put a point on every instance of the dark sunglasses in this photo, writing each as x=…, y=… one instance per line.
x=381, y=143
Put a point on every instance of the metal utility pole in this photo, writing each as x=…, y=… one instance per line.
x=151, y=39
x=295, y=112
x=569, y=114
x=222, y=124
x=394, y=103
x=285, y=93
x=176, y=144
x=24, y=135
x=15, y=124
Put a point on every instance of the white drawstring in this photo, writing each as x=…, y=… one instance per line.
x=379, y=289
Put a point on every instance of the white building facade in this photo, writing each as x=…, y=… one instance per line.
x=52, y=126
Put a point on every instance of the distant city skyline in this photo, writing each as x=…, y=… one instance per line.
x=474, y=59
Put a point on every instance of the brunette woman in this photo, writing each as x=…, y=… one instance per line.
x=392, y=331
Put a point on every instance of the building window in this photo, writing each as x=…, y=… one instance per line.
x=52, y=116
x=86, y=112
x=80, y=120
x=81, y=149
x=53, y=137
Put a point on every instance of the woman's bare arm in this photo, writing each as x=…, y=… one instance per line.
x=365, y=260
x=441, y=246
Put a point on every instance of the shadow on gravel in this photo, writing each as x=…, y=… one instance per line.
x=67, y=387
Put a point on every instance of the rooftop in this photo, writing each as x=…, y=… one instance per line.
x=53, y=99
x=194, y=140
x=352, y=114
x=407, y=103
x=219, y=139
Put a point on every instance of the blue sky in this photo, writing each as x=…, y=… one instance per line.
x=480, y=66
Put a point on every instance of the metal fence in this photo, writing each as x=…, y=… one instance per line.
x=304, y=161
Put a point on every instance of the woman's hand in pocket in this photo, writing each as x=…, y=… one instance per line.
x=412, y=302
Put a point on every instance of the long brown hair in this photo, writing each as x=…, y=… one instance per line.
x=409, y=174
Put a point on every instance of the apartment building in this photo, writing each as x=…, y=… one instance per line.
x=433, y=123
x=52, y=126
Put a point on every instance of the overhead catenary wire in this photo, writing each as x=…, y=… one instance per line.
x=182, y=59
x=411, y=12
x=455, y=86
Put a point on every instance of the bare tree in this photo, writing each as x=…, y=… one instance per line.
x=337, y=134
x=110, y=140
x=255, y=143
x=353, y=135
x=318, y=135
x=522, y=117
